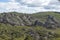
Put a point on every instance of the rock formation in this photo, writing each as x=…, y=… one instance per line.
x=27, y=20
x=16, y=20
x=51, y=22
x=38, y=23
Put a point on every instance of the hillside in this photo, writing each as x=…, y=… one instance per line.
x=37, y=26
x=17, y=19
x=43, y=15
x=39, y=19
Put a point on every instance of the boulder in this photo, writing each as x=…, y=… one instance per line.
x=38, y=23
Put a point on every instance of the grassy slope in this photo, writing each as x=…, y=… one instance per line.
x=41, y=16
x=6, y=29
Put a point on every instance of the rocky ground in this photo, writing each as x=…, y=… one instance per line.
x=38, y=26
x=28, y=20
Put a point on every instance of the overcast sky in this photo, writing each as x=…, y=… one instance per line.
x=29, y=6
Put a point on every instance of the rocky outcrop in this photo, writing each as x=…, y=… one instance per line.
x=51, y=22
x=27, y=20
x=16, y=20
x=38, y=23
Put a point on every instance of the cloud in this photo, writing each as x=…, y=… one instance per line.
x=30, y=6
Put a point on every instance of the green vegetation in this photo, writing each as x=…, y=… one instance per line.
x=43, y=15
x=8, y=32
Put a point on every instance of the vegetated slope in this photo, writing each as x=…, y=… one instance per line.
x=8, y=32
x=43, y=15
x=48, y=19
x=18, y=26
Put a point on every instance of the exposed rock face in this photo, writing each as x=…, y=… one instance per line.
x=51, y=22
x=16, y=20
x=27, y=20
x=38, y=23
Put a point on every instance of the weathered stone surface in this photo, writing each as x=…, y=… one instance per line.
x=51, y=22
x=38, y=23
x=18, y=20
x=28, y=20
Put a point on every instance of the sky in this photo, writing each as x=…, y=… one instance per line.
x=29, y=6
